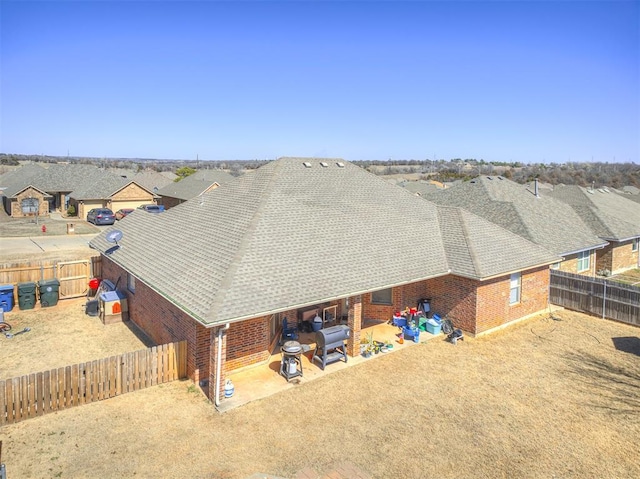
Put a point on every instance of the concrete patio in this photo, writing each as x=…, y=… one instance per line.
x=264, y=380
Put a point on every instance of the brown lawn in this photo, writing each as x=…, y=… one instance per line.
x=544, y=398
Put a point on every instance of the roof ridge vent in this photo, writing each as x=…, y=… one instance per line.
x=324, y=164
x=307, y=164
x=489, y=178
x=340, y=164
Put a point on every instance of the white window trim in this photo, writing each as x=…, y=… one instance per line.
x=131, y=283
x=582, y=259
x=634, y=245
x=517, y=279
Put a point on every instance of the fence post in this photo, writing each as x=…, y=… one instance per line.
x=604, y=299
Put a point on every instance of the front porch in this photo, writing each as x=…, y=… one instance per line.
x=264, y=380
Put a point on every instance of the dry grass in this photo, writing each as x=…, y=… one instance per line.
x=541, y=399
x=25, y=227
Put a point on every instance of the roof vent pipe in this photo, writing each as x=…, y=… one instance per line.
x=535, y=188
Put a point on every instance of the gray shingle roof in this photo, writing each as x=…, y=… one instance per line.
x=543, y=220
x=151, y=180
x=194, y=185
x=609, y=215
x=289, y=235
x=83, y=181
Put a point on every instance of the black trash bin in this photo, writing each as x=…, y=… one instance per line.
x=27, y=295
x=48, y=289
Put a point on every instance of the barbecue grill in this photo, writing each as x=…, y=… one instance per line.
x=291, y=364
x=331, y=345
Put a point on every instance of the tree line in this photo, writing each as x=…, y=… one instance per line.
x=615, y=175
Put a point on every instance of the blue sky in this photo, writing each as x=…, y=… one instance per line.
x=542, y=81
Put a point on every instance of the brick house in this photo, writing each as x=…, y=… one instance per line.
x=530, y=212
x=54, y=187
x=201, y=182
x=611, y=217
x=221, y=271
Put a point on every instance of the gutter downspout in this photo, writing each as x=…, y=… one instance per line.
x=219, y=364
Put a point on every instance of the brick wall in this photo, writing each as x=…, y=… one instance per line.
x=493, y=308
x=248, y=343
x=570, y=264
x=162, y=321
x=474, y=306
x=617, y=257
x=16, y=206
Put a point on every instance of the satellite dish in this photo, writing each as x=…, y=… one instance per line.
x=114, y=236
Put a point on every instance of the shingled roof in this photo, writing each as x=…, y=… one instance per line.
x=83, y=181
x=301, y=231
x=195, y=184
x=609, y=215
x=541, y=219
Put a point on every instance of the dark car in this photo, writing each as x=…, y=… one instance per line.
x=152, y=208
x=101, y=216
x=123, y=212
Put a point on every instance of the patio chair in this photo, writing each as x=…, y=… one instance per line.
x=288, y=332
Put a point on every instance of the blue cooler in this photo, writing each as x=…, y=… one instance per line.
x=434, y=324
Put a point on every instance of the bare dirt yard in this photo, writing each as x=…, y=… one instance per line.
x=545, y=398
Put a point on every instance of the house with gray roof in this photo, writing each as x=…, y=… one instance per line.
x=177, y=192
x=151, y=180
x=531, y=213
x=610, y=216
x=224, y=269
x=55, y=187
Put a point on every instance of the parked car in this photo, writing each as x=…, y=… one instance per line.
x=121, y=213
x=152, y=208
x=101, y=216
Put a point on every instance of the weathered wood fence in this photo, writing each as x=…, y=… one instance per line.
x=57, y=389
x=608, y=299
x=73, y=275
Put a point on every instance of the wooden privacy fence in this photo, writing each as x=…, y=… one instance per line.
x=73, y=275
x=57, y=389
x=608, y=299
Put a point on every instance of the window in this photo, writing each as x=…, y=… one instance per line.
x=555, y=265
x=634, y=245
x=382, y=296
x=515, y=285
x=131, y=282
x=584, y=260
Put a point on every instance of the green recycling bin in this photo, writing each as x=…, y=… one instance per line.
x=48, y=289
x=27, y=295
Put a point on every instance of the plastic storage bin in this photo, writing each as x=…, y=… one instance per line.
x=6, y=297
x=48, y=289
x=433, y=325
x=27, y=295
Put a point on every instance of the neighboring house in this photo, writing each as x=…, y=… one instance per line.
x=54, y=187
x=421, y=188
x=151, y=180
x=222, y=271
x=613, y=218
x=111, y=192
x=194, y=185
x=526, y=211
